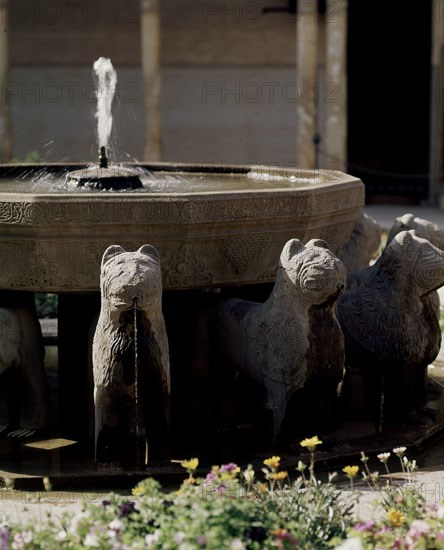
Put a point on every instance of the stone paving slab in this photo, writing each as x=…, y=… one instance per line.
x=37, y=507
x=385, y=215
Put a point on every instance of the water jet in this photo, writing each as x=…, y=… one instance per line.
x=103, y=177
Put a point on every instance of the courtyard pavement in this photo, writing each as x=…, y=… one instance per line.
x=385, y=214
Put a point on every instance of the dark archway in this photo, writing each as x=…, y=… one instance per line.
x=389, y=46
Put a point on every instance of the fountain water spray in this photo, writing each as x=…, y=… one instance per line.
x=106, y=82
x=102, y=176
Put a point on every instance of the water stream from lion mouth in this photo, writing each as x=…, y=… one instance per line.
x=139, y=431
x=381, y=406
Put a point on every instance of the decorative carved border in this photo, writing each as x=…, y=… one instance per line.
x=175, y=209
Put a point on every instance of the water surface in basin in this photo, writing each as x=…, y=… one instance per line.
x=170, y=182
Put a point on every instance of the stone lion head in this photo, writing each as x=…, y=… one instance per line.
x=423, y=228
x=131, y=279
x=312, y=271
x=413, y=261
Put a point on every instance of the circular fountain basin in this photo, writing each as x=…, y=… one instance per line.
x=213, y=225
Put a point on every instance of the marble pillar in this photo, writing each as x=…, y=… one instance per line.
x=306, y=77
x=436, y=180
x=5, y=122
x=334, y=95
x=152, y=79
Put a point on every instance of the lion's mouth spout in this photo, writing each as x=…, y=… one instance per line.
x=333, y=298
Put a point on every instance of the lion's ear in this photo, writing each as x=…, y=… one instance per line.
x=407, y=220
x=111, y=252
x=291, y=248
x=405, y=237
x=318, y=242
x=149, y=250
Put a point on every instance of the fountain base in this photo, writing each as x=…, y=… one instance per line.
x=71, y=466
x=105, y=178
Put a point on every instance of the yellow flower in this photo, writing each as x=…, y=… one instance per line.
x=351, y=471
x=272, y=462
x=395, y=517
x=191, y=464
x=311, y=443
x=279, y=475
x=189, y=481
x=262, y=488
x=228, y=476
x=136, y=491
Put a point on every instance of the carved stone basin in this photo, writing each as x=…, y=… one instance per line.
x=213, y=225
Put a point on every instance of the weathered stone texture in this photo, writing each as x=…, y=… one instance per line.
x=24, y=391
x=277, y=344
x=54, y=242
x=131, y=360
x=362, y=245
x=390, y=325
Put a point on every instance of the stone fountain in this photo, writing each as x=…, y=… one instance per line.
x=217, y=239
x=214, y=227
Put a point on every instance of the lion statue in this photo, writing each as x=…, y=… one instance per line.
x=423, y=228
x=362, y=245
x=291, y=342
x=24, y=389
x=131, y=360
x=427, y=230
x=391, y=331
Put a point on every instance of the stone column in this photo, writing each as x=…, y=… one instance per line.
x=436, y=179
x=152, y=79
x=5, y=121
x=334, y=94
x=306, y=76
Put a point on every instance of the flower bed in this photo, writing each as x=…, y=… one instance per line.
x=237, y=509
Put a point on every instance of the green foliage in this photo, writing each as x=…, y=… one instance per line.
x=33, y=157
x=406, y=499
x=407, y=521
x=46, y=305
x=230, y=509
x=218, y=512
